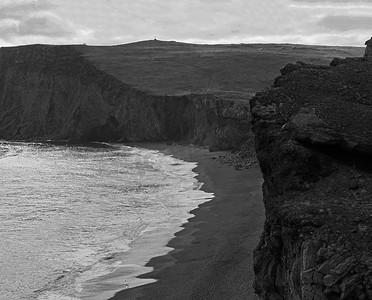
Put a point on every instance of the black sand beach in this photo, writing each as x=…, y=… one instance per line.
x=212, y=256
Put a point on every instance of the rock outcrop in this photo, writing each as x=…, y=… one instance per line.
x=54, y=93
x=368, y=52
x=313, y=134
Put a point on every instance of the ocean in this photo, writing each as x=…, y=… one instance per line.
x=80, y=222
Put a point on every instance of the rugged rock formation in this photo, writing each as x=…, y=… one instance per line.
x=313, y=139
x=313, y=133
x=368, y=52
x=53, y=92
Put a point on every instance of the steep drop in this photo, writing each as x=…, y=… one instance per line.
x=313, y=140
x=53, y=92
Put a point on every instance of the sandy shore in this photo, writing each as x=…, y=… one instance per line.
x=212, y=256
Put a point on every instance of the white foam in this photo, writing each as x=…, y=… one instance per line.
x=55, y=296
x=90, y=218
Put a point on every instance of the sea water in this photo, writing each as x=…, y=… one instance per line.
x=72, y=215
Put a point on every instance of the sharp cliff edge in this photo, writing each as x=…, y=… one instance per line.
x=54, y=93
x=313, y=134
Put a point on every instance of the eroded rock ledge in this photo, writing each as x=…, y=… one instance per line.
x=313, y=139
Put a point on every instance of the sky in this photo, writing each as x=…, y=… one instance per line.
x=110, y=22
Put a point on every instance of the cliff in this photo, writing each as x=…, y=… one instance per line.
x=146, y=91
x=53, y=92
x=313, y=135
x=313, y=132
x=368, y=52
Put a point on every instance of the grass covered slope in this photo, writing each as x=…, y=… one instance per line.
x=234, y=70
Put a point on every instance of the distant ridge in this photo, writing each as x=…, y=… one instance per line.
x=154, y=43
x=235, y=71
x=178, y=68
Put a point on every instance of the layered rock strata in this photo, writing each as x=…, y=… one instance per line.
x=313, y=135
x=53, y=92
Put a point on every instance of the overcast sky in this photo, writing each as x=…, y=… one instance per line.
x=107, y=22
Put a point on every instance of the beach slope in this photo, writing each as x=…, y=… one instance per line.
x=212, y=256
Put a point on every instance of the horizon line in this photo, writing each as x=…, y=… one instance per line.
x=182, y=42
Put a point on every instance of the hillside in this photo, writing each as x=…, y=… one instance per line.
x=145, y=91
x=53, y=93
x=235, y=71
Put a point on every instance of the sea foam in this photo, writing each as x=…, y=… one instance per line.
x=80, y=222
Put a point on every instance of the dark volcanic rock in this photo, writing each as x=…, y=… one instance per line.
x=368, y=52
x=313, y=133
x=53, y=92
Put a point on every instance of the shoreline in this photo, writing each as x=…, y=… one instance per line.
x=211, y=256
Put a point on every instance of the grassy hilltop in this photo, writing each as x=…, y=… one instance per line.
x=235, y=70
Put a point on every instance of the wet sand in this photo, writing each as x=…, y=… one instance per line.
x=212, y=256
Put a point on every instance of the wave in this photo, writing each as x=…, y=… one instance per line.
x=81, y=210
x=9, y=150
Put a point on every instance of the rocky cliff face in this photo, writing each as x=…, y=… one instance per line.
x=313, y=133
x=52, y=92
x=368, y=52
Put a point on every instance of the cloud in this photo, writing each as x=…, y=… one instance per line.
x=24, y=21
x=207, y=21
x=332, y=1
x=105, y=22
x=7, y=28
x=48, y=24
x=346, y=23
x=20, y=9
x=183, y=19
x=332, y=4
